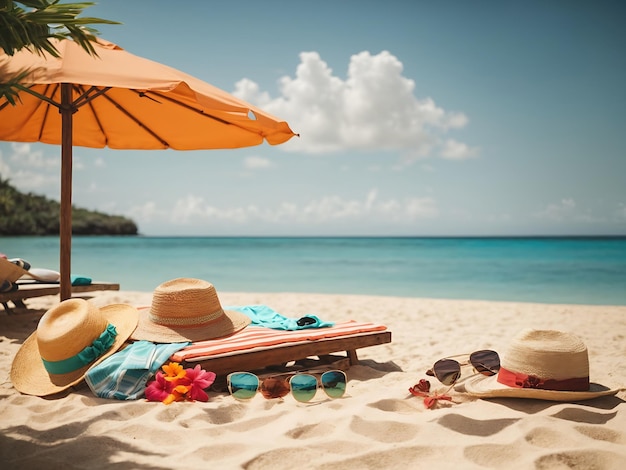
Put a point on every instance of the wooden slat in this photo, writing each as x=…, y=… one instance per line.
x=29, y=290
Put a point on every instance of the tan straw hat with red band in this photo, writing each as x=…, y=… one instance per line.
x=544, y=365
x=70, y=338
x=186, y=309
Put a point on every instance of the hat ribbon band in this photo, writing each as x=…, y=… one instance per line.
x=186, y=321
x=99, y=346
x=519, y=380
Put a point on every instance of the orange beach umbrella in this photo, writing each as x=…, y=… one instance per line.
x=121, y=101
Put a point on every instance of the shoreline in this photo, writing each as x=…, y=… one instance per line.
x=377, y=425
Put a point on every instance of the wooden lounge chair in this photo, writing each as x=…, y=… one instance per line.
x=257, y=348
x=28, y=288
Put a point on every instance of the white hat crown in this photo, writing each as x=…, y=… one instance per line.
x=547, y=355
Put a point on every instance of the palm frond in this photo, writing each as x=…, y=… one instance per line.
x=47, y=19
x=10, y=89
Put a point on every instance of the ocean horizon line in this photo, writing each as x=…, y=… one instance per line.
x=361, y=236
x=445, y=237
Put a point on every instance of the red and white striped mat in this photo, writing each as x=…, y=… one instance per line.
x=253, y=337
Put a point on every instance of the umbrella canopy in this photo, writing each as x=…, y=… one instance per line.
x=121, y=101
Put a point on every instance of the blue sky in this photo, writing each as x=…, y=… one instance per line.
x=416, y=118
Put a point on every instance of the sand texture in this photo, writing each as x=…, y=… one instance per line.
x=378, y=424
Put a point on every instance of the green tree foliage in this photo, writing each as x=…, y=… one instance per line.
x=42, y=20
x=30, y=214
x=32, y=23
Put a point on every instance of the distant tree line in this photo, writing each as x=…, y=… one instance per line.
x=30, y=214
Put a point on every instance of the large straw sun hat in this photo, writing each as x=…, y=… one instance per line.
x=541, y=364
x=187, y=309
x=70, y=338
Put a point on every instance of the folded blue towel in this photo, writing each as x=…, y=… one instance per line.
x=262, y=315
x=124, y=375
x=80, y=280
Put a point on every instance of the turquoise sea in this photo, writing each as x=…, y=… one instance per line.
x=548, y=270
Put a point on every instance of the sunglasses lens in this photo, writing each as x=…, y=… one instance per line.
x=303, y=387
x=486, y=362
x=243, y=385
x=447, y=371
x=334, y=383
x=274, y=387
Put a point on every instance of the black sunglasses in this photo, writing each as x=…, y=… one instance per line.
x=448, y=370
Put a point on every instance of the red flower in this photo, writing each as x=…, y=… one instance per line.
x=159, y=389
x=420, y=389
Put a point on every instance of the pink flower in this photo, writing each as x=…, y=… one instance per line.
x=159, y=389
x=198, y=380
x=178, y=384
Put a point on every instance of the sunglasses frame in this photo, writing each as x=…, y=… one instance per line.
x=287, y=382
x=473, y=360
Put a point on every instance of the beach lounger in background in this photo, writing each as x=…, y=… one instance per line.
x=256, y=347
x=38, y=282
x=29, y=289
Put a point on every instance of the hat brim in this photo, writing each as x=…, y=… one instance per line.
x=10, y=271
x=29, y=376
x=489, y=387
x=229, y=323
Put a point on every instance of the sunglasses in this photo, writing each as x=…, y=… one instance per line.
x=303, y=386
x=448, y=370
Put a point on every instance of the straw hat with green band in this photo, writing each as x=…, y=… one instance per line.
x=70, y=338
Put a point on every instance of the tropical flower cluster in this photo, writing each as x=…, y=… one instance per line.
x=175, y=383
x=422, y=389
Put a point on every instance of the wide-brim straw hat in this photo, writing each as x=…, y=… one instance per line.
x=10, y=271
x=70, y=338
x=544, y=365
x=14, y=269
x=187, y=309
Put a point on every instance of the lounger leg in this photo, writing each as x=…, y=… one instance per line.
x=17, y=303
x=354, y=359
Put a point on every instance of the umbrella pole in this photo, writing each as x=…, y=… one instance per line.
x=65, y=217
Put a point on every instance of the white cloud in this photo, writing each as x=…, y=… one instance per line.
x=24, y=156
x=5, y=170
x=567, y=210
x=29, y=170
x=192, y=210
x=146, y=212
x=564, y=209
x=255, y=163
x=373, y=109
x=453, y=150
x=419, y=208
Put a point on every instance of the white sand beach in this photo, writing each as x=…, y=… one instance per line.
x=378, y=424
